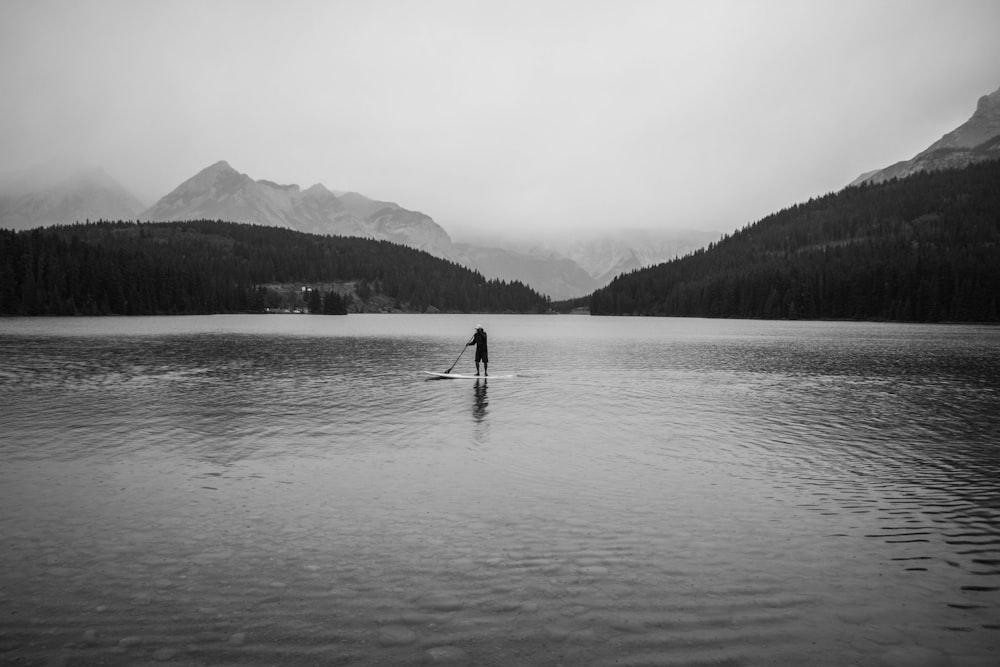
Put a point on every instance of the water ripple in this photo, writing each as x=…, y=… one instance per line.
x=643, y=492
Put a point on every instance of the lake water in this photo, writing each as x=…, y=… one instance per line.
x=293, y=490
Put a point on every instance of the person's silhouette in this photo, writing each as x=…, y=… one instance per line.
x=482, y=354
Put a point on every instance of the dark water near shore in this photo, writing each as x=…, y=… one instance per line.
x=292, y=490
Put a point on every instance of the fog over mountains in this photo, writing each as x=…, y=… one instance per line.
x=64, y=193
x=571, y=267
x=220, y=192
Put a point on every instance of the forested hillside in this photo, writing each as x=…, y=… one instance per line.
x=925, y=248
x=205, y=266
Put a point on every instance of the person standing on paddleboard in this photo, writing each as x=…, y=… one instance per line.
x=482, y=354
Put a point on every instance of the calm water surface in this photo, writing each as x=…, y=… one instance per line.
x=294, y=490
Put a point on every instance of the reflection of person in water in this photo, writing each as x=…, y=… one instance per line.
x=481, y=402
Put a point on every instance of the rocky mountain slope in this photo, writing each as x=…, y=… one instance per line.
x=50, y=195
x=220, y=192
x=976, y=140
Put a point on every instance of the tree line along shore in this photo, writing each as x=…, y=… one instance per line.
x=925, y=248
x=206, y=266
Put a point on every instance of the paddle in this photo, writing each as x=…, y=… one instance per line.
x=459, y=357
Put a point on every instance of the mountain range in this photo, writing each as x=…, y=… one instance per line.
x=220, y=192
x=571, y=268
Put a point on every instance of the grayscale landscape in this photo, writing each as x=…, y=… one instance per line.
x=738, y=264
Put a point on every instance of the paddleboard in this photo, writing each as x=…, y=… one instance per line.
x=460, y=376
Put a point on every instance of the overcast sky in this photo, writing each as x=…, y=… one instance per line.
x=536, y=115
